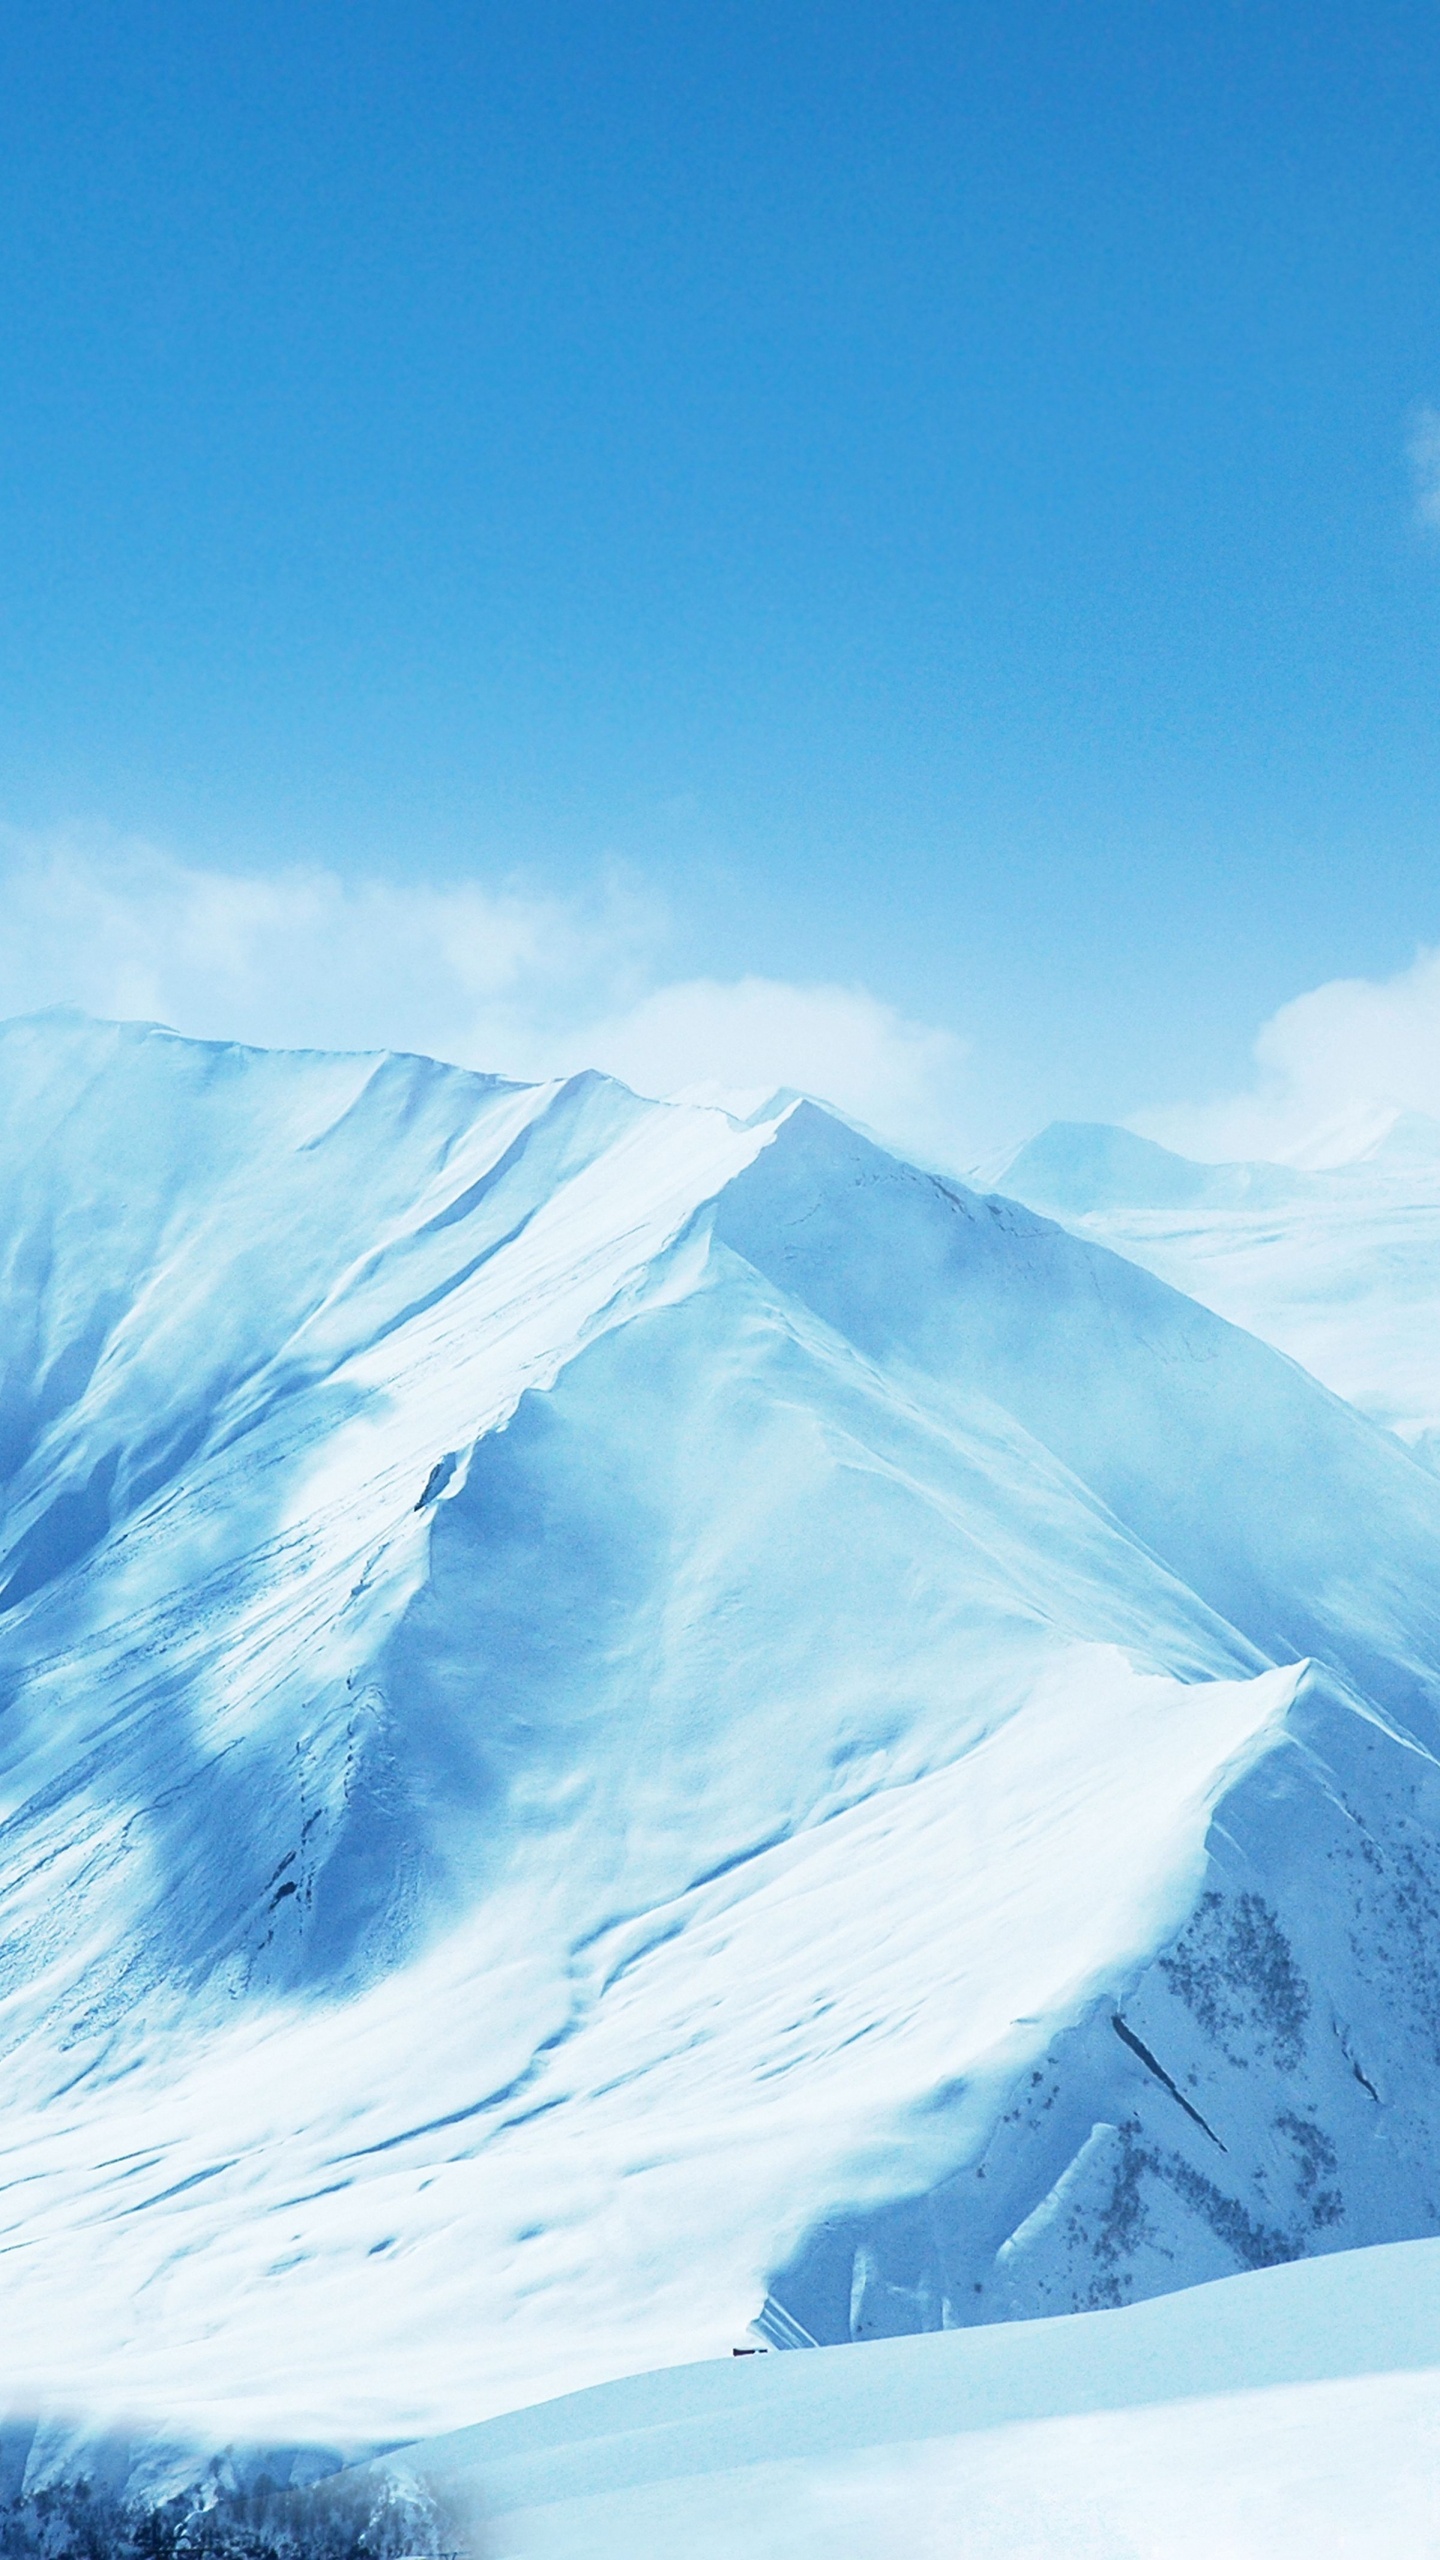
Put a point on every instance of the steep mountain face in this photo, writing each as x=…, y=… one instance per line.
x=604, y=1710
x=1340, y=1266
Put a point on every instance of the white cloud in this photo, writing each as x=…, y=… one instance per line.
x=508, y=979
x=302, y=957
x=740, y=1041
x=1335, y=1068
x=1423, y=448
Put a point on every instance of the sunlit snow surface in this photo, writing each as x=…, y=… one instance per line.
x=607, y=1713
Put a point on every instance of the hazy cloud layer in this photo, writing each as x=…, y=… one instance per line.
x=1335, y=1067
x=301, y=957
x=531, y=984
x=508, y=979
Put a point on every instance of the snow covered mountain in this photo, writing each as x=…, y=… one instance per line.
x=613, y=1718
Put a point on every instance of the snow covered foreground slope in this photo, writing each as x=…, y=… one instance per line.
x=604, y=1710
x=1270, y=2416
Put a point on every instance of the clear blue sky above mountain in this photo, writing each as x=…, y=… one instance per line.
x=924, y=491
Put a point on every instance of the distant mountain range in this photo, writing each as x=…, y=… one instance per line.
x=617, y=1723
x=1339, y=1266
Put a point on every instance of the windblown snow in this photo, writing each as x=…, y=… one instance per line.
x=618, y=1723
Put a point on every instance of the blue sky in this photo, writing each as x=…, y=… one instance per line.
x=918, y=510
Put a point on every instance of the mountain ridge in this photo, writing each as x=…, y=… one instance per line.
x=639, y=1699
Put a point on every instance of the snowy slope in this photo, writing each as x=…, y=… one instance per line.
x=1267, y=2417
x=607, y=1712
x=1339, y=1266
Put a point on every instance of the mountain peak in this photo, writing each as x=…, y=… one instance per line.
x=1076, y=1167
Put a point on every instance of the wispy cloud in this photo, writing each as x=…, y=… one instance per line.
x=1423, y=449
x=513, y=980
